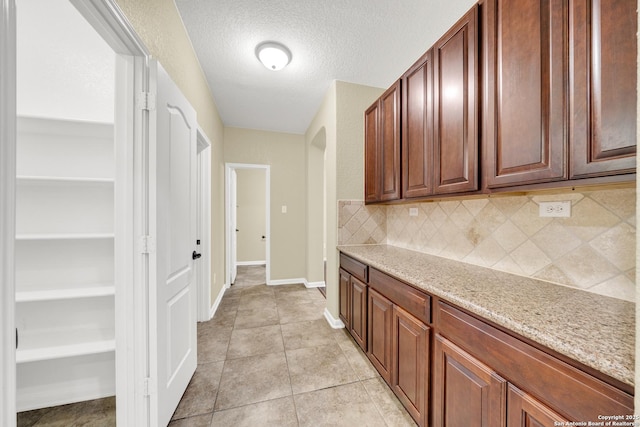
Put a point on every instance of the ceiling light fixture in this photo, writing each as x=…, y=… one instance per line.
x=274, y=56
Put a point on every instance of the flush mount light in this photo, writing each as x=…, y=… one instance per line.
x=273, y=55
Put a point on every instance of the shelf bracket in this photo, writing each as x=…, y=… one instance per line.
x=147, y=245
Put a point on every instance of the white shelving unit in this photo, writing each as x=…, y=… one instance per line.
x=65, y=311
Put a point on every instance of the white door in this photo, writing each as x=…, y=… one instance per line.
x=233, y=201
x=172, y=295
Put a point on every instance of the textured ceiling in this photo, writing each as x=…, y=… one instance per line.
x=369, y=42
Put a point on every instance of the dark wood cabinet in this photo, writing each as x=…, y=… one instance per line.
x=527, y=107
x=371, y=154
x=451, y=368
x=524, y=410
x=410, y=373
x=380, y=327
x=603, y=88
x=345, y=298
x=466, y=391
x=455, y=59
x=359, y=312
x=417, y=129
x=382, y=147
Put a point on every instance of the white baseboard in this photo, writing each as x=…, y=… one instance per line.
x=299, y=281
x=333, y=322
x=251, y=263
x=320, y=284
x=216, y=303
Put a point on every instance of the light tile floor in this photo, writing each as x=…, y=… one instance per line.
x=267, y=358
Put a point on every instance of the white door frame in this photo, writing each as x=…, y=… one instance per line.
x=131, y=271
x=228, y=167
x=203, y=226
x=7, y=210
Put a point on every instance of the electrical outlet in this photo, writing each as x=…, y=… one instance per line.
x=413, y=211
x=555, y=209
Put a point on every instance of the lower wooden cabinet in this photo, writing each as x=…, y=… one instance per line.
x=380, y=327
x=466, y=392
x=524, y=410
x=353, y=307
x=456, y=369
x=410, y=373
x=359, y=312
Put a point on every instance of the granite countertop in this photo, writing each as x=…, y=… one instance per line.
x=595, y=330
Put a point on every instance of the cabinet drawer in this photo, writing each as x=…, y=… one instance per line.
x=403, y=295
x=570, y=391
x=354, y=267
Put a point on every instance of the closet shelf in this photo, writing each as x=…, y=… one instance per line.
x=60, y=293
x=65, y=180
x=49, y=345
x=64, y=236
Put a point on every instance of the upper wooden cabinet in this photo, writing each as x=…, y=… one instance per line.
x=417, y=128
x=561, y=84
x=382, y=147
x=603, y=88
x=526, y=61
x=455, y=59
x=440, y=115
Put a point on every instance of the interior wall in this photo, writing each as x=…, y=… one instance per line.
x=251, y=215
x=316, y=202
x=54, y=61
x=325, y=121
x=285, y=153
x=160, y=27
x=637, y=379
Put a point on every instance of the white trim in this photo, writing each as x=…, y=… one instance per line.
x=333, y=322
x=320, y=284
x=204, y=267
x=299, y=281
x=228, y=167
x=217, y=302
x=7, y=211
x=132, y=304
x=264, y=262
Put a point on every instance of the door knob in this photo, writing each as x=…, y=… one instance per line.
x=195, y=255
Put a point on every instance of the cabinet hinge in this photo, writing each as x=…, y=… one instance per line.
x=147, y=245
x=146, y=101
x=148, y=387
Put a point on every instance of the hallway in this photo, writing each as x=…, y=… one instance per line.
x=267, y=358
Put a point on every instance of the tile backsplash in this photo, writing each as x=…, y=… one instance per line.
x=594, y=249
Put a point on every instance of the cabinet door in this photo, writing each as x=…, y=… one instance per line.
x=380, y=327
x=359, y=312
x=466, y=391
x=371, y=154
x=456, y=107
x=603, y=91
x=390, y=143
x=417, y=129
x=410, y=374
x=525, y=410
x=526, y=131
x=345, y=298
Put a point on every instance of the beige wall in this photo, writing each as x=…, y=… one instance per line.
x=285, y=153
x=339, y=124
x=250, y=215
x=160, y=27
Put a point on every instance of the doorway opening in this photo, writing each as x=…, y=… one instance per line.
x=247, y=218
x=65, y=207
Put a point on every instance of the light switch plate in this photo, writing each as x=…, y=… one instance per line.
x=284, y=209
x=413, y=211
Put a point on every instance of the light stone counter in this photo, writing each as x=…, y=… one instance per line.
x=596, y=330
